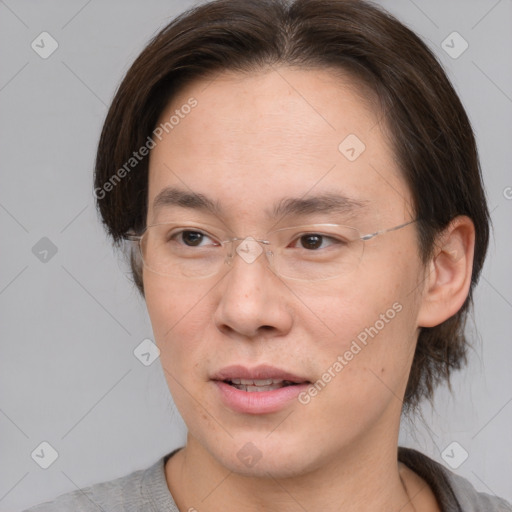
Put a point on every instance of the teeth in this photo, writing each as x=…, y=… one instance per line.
x=255, y=385
x=257, y=388
x=262, y=388
x=254, y=382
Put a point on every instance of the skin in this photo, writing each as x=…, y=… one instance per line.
x=282, y=127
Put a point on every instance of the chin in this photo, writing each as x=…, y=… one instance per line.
x=256, y=457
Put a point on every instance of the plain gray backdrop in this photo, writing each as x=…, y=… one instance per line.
x=70, y=317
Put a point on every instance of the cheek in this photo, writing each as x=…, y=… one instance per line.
x=180, y=318
x=173, y=305
x=362, y=372
x=337, y=312
x=369, y=320
x=366, y=334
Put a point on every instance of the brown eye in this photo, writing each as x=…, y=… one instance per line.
x=312, y=241
x=192, y=238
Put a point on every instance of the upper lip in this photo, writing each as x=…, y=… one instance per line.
x=260, y=372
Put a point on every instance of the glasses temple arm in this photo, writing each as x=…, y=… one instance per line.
x=132, y=237
x=371, y=235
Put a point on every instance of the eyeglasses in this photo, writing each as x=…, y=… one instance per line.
x=313, y=252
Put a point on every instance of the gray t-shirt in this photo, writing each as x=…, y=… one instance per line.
x=146, y=491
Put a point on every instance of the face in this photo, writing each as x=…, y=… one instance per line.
x=253, y=142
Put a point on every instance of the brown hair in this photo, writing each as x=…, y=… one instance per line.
x=430, y=132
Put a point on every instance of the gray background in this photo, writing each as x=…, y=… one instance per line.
x=69, y=325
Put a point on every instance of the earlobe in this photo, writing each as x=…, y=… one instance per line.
x=448, y=278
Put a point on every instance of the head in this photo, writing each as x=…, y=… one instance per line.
x=246, y=107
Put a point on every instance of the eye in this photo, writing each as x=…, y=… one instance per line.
x=314, y=241
x=193, y=238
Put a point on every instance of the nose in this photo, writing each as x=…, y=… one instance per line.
x=253, y=300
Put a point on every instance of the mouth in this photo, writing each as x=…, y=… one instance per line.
x=260, y=378
x=260, y=390
x=259, y=385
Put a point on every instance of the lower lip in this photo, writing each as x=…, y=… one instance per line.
x=258, y=402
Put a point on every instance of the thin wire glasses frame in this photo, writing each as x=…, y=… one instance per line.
x=196, y=262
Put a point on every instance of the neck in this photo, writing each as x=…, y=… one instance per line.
x=353, y=480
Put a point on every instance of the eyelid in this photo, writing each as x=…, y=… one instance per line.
x=189, y=226
x=179, y=230
x=220, y=235
x=325, y=238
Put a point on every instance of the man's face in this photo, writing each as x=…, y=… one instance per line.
x=252, y=142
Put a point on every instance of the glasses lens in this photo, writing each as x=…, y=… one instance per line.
x=316, y=252
x=171, y=250
x=307, y=253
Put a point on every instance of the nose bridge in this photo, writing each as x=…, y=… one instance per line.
x=248, y=249
x=249, y=298
x=249, y=260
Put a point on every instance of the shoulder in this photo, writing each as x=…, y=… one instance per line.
x=453, y=492
x=470, y=499
x=143, y=490
x=119, y=494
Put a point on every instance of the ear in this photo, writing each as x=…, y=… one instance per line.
x=448, y=274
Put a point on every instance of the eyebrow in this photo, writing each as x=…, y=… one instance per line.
x=177, y=197
x=324, y=203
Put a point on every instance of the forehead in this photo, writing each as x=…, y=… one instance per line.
x=253, y=139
